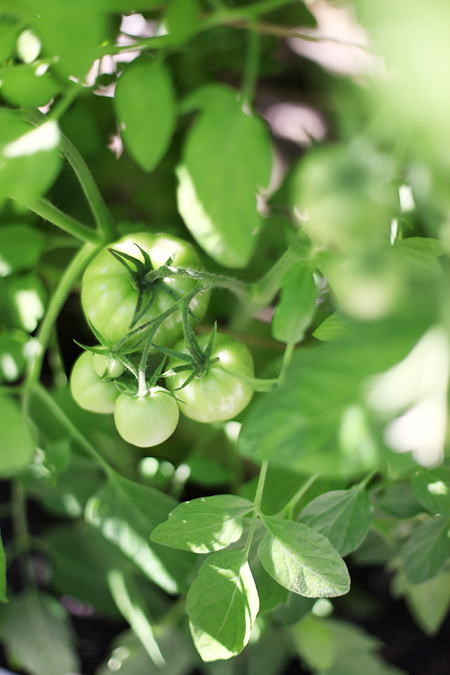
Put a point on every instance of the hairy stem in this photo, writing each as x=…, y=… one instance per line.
x=256, y=506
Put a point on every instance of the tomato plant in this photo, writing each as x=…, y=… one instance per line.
x=146, y=420
x=109, y=291
x=239, y=210
x=222, y=392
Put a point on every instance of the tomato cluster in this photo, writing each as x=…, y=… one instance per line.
x=139, y=296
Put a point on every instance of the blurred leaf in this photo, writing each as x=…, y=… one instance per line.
x=302, y=560
x=427, y=550
x=146, y=112
x=28, y=85
x=22, y=300
x=12, y=357
x=294, y=609
x=9, y=30
x=29, y=156
x=428, y=602
x=3, y=597
x=334, y=327
x=432, y=488
x=270, y=593
x=343, y=516
x=16, y=442
x=396, y=500
x=227, y=152
x=204, y=525
x=37, y=635
x=376, y=549
x=314, y=422
x=132, y=607
x=181, y=19
x=420, y=253
x=206, y=471
x=295, y=310
x=316, y=643
x=130, y=657
x=20, y=248
x=126, y=513
x=221, y=621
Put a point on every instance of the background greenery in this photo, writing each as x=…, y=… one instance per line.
x=336, y=115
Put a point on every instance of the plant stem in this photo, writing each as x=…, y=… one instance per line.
x=42, y=207
x=98, y=207
x=288, y=509
x=71, y=274
x=256, y=506
x=251, y=65
x=264, y=290
x=43, y=395
x=20, y=526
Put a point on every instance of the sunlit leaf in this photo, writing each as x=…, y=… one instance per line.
x=222, y=605
x=204, y=525
x=432, y=488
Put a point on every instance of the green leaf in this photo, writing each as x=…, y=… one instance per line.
x=129, y=600
x=181, y=19
x=315, y=421
x=432, y=488
x=3, y=597
x=146, y=111
x=226, y=153
x=420, y=253
x=270, y=593
x=24, y=297
x=130, y=658
x=427, y=550
x=204, y=525
x=295, y=310
x=429, y=602
x=29, y=156
x=334, y=327
x=37, y=635
x=126, y=513
x=20, y=248
x=343, y=516
x=303, y=561
x=12, y=355
x=222, y=605
x=316, y=643
x=16, y=442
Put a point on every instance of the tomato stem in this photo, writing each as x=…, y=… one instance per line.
x=256, y=506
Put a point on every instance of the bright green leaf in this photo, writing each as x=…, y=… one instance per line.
x=16, y=442
x=37, y=635
x=432, y=488
x=222, y=605
x=302, y=560
x=24, y=296
x=420, y=253
x=20, y=248
x=295, y=310
x=204, y=525
x=343, y=516
x=126, y=513
x=334, y=327
x=427, y=550
x=129, y=600
x=146, y=111
x=226, y=153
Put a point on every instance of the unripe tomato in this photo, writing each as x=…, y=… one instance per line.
x=106, y=366
x=146, y=420
x=218, y=395
x=88, y=388
x=109, y=296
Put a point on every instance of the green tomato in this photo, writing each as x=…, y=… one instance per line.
x=146, y=420
x=109, y=297
x=107, y=366
x=218, y=395
x=88, y=389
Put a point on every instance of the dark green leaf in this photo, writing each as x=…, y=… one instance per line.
x=343, y=516
x=222, y=605
x=427, y=550
x=295, y=310
x=428, y=602
x=16, y=442
x=432, y=488
x=303, y=561
x=226, y=153
x=146, y=112
x=181, y=19
x=204, y=525
x=126, y=513
x=37, y=635
x=20, y=248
